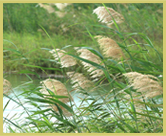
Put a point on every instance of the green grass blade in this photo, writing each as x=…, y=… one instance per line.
x=11, y=43
x=93, y=51
x=6, y=105
x=28, y=72
x=34, y=66
x=14, y=124
x=88, y=61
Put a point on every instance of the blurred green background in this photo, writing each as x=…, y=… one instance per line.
x=24, y=37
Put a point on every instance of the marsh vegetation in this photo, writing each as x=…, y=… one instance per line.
x=109, y=54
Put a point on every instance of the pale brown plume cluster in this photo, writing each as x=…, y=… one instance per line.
x=107, y=17
x=109, y=47
x=6, y=86
x=86, y=54
x=57, y=88
x=148, y=85
x=65, y=60
x=79, y=80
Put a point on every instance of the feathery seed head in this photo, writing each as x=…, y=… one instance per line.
x=86, y=54
x=57, y=88
x=105, y=17
x=109, y=47
x=79, y=80
x=65, y=60
x=148, y=85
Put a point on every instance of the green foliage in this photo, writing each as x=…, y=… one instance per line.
x=24, y=28
x=109, y=106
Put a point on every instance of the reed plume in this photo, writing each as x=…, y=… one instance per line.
x=106, y=17
x=65, y=60
x=57, y=88
x=148, y=85
x=109, y=47
x=86, y=54
x=79, y=80
x=6, y=86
